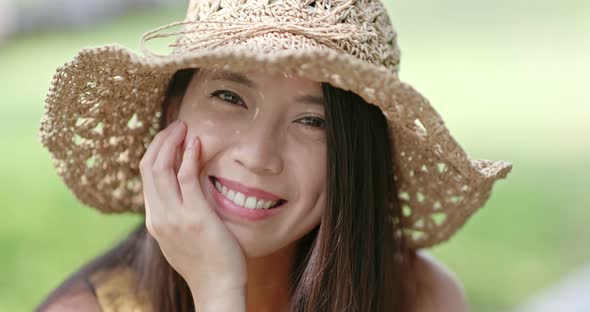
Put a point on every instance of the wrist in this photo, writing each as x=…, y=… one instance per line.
x=220, y=300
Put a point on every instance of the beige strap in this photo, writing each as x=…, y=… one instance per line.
x=115, y=291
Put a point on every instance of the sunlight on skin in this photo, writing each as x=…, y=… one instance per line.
x=263, y=131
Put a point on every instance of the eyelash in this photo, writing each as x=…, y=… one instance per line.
x=220, y=92
x=237, y=98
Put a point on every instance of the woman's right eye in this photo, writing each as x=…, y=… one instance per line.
x=228, y=96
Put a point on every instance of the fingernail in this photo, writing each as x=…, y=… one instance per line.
x=192, y=142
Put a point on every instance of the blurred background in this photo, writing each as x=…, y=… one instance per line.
x=510, y=78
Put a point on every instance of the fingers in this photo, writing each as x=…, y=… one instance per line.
x=151, y=153
x=188, y=176
x=164, y=173
x=154, y=208
x=148, y=213
x=151, y=199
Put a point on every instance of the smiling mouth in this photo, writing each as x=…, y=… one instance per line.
x=243, y=200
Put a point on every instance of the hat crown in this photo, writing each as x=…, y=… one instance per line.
x=361, y=28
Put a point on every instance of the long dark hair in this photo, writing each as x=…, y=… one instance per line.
x=350, y=262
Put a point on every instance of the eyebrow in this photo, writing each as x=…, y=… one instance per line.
x=243, y=80
x=318, y=100
x=233, y=77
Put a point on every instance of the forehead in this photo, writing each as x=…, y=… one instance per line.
x=260, y=80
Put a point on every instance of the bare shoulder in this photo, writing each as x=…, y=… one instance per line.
x=441, y=290
x=75, y=296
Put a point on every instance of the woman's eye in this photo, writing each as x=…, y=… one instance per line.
x=316, y=122
x=229, y=96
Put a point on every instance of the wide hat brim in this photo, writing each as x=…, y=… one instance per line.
x=103, y=109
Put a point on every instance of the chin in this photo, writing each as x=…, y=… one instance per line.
x=252, y=244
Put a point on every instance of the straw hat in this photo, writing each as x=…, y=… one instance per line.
x=103, y=107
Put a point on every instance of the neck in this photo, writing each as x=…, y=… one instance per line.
x=268, y=280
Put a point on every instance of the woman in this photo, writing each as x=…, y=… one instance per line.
x=292, y=170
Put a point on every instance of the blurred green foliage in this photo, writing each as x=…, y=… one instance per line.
x=508, y=77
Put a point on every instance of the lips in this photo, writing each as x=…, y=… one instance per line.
x=246, y=196
x=229, y=210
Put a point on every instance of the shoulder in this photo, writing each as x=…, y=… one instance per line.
x=71, y=296
x=111, y=289
x=440, y=289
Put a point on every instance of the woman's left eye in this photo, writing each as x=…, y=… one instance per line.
x=229, y=96
x=316, y=122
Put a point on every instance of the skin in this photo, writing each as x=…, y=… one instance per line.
x=267, y=133
x=261, y=135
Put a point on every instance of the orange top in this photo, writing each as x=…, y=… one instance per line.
x=116, y=291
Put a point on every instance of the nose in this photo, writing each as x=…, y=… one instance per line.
x=259, y=148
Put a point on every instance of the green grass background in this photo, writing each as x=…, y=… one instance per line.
x=508, y=77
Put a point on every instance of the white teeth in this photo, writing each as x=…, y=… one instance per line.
x=241, y=200
x=231, y=194
x=250, y=202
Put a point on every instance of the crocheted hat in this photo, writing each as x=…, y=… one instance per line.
x=103, y=107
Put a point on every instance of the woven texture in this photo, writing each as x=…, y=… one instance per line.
x=103, y=107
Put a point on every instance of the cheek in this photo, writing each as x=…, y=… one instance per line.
x=213, y=131
x=309, y=167
x=317, y=178
x=207, y=117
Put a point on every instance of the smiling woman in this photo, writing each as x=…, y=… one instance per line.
x=272, y=177
x=263, y=144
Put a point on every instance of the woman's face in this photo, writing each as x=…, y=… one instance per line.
x=266, y=133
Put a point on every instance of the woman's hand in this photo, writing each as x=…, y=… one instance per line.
x=194, y=240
